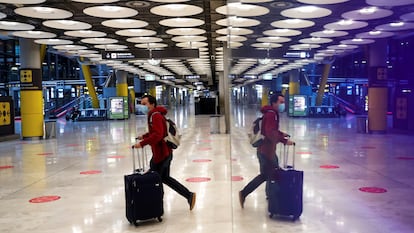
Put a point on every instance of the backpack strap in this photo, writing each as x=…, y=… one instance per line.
x=165, y=121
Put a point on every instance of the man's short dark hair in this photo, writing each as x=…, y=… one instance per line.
x=151, y=99
x=274, y=98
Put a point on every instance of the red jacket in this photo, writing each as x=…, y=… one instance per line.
x=157, y=130
x=270, y=129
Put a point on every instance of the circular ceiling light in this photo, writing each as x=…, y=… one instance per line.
x=11, y=26
x=315, y=40
x=144, y=39
x=346, y=25
x=85, y=33
x=231, y=38
x=182, y=22
x=110, y=11
x=96, y=1
x=304, y=46
x=2, y=15
x=34, y=34
x=111, y=47
x=389, y=2
x=191, y=45
x=136, y=32
x=266, y=45
x=169, y=1
x=67, y=24
x=408, y=17
x=374, y=34
x=53, y=41
x=235, y=21
x=125, y=23
x=342, y=47
x=293, y=23
x=99, y=40
x=234, y=31
x=282, y=32
x=321, y=2
x=151, y=45
x=329, y=33
x=69, y=47
x=244, y=10
x=176, y=10
x=306, y=12
x=185, y=31
x=188, y=38
x=357, y=41
x=83, y=51
x=43, y=12
x=367, y=13
x=23, y=1
x=273, y=39
x=396, y=26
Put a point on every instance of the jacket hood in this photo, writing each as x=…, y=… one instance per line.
x=160, y=109
x=267, y=108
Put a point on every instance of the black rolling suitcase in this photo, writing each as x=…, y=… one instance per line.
x=143, y=192
x=286, y=189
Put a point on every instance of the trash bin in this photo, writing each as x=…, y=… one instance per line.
x=362, y=124
x=215, y=124
x=50, y=129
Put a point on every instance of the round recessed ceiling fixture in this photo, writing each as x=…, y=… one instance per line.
x=169, y=1
x=182, y=22
x=396, y=26
x=144, y=39
x=2, y=15
x=188, y=38
x=282, y=32
x=191, y=45
x=125, y=23
x=304, y=46
x=43, y=12
x=110, y=11
x=273, y=39
x=357, y=41
x=321, y=2
x=34, y=34
x=408, y=17
x=329, y=33
x=367, y=13
x=85, y=33
x=151, y=45
x=315, y=40
x=235, y=21
x=306, y=12
x=243, y=10
x=136, y=32
x=67, y=24
x=342, y=47
x=389, y=2
x=234, y=31
x=69, y=47
x=111, y=46
x=266, y=45
x=53, y=41
x=15, y=26
x=293, y=23
x=96, y=1
x=374, y=34
x=176, y=10
x=23, y=1
x=346, y=25
x=99, y=40
x=185, y=31
x=232, y=38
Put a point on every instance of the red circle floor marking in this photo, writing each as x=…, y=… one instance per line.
x=201, y=160
x=45, y=154
x=304, y=153
x=90, y=172
x=44, y=199
x=6, y=167
x=405, y=158
x=116, y=156
x=329, y=166
x=368, y=147
x=236, y=178
x=204, y=148
x=198, y=179
x=233, y=159
x=372, y=190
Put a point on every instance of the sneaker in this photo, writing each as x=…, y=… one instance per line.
x=192, y=200
x=242, y=198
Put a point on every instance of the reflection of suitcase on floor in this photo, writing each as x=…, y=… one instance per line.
x=143, y=192
x=286, y=190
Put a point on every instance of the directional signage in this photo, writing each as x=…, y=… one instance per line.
x=5, y=114
x=118, y=55
x=30, y=79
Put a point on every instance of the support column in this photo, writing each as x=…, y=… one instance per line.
x=86, y=70
x=265, y=96
x=31, y=97
x=294, y=85
x=377, y=90
x=225, y=82
x=121, y=83
x=322, y=83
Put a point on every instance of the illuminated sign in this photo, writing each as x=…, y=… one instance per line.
x=267, y=76
x=167, y=77
x=192, y=76
x=149, y=77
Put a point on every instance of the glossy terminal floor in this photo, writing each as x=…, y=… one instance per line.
x=222, y=164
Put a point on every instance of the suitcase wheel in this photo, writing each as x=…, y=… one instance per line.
x=159, y=219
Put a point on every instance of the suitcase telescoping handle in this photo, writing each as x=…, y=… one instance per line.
x=142, y=159
x=286, y=157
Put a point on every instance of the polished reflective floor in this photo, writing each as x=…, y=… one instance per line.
x=356, y=183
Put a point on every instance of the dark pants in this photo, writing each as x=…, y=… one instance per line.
x=163, y=168
x=267, y=170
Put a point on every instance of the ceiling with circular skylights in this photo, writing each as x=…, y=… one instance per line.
x=258, y=32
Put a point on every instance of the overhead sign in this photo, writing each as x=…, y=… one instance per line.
x=167, y=77
x=118, y=55
x=30, y=79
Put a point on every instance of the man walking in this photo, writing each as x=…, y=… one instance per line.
x=266, y=152
x=161, y=153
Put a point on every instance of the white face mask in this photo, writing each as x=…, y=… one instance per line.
x=281, y=107
x=143, y=108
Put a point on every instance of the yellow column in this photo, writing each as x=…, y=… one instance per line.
x=265, y=96
x=132, y=95
x=322, y=84
x=43, y=51
x=152, y=91
x=294, y=86
x=86, y=70
x=377, y=105
x=121, y=83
